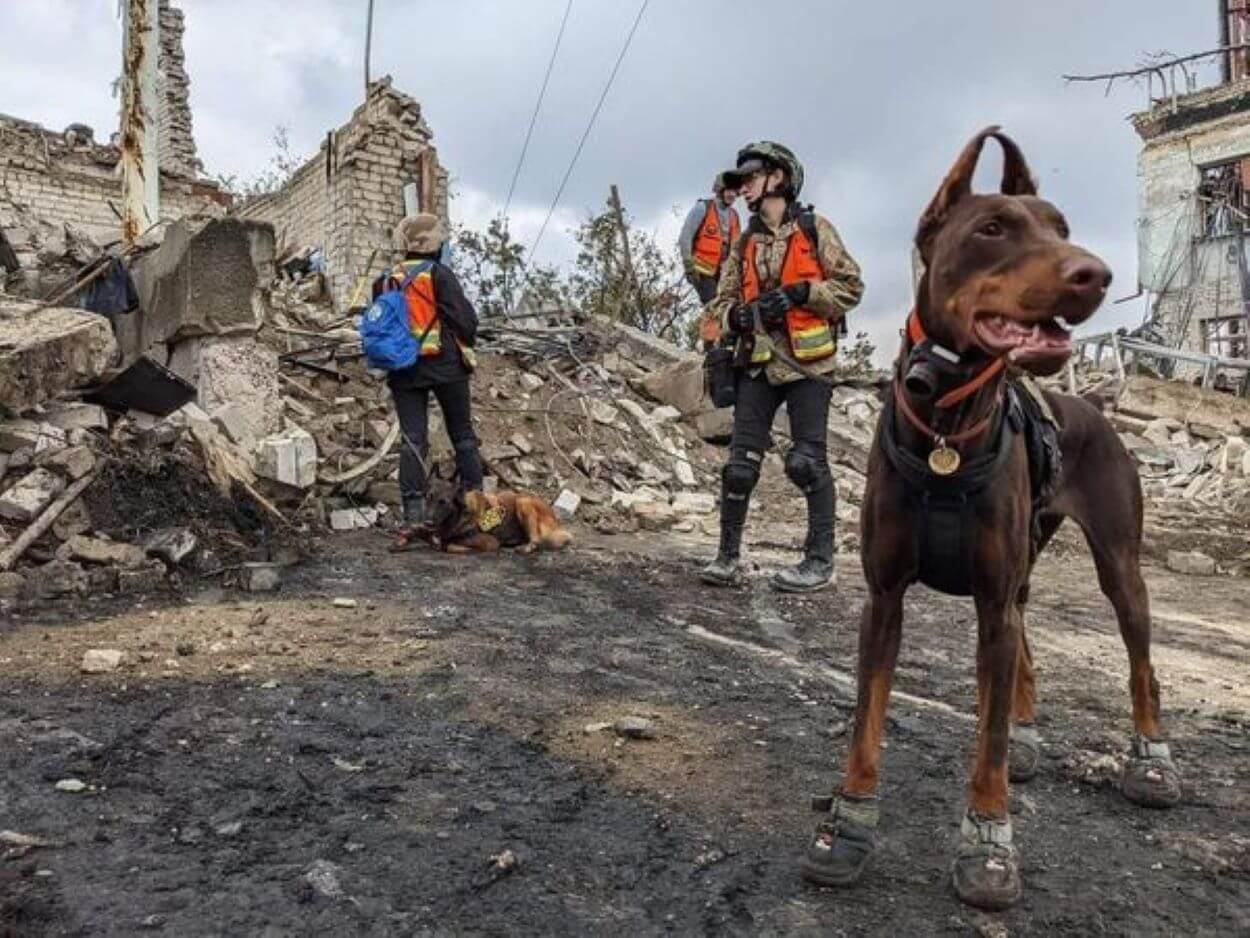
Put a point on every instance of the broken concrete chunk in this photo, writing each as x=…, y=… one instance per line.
x=12, y=584
x=32, y=435
x=567, y=504
x=289, y=458
x=44, y=351
x=242, y=372
x=603, y=412
x=74, y=462
x=665, y=413
x=173, y=545
x=694, y=503
x=715, y=426
x=350, y=519
x=685, y=472
x=78, y=416
x=635, y=728
x=654, y=516
x=634, y=409
x=231, y=420
x=100, y=660
x=260, y=577
x=25, y=500
x=1233, y=455
x=143, y=578
x=531, y=382
x=94, y=550
x=57, y=578
x=680, y=385
x=1191, y=563
x=522, y=443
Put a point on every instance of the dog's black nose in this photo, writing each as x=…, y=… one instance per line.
x=1086, y=273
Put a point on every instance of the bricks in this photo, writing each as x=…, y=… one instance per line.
x=289, y=458
x=24, y=500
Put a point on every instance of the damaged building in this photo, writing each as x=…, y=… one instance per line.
x=1194, y=209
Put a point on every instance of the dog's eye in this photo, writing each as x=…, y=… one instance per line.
x=992, y=229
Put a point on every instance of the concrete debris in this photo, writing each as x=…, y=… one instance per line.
x=24, y=500
x=351, y=519
x=172, y=545
x=566, y=504
x=260, y=577
x=289, y=457
x=1191, y=563
x=98, y=551
x=34, y=436
x=77, y=416
x=101, y=660
x=74, y=462
x=46, y=351
x=634, y=727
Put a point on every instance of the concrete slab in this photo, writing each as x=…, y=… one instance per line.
x=46, y=351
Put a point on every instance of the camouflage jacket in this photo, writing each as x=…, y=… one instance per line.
x=832, y=297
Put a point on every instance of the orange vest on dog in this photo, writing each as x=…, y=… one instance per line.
x=811, y=339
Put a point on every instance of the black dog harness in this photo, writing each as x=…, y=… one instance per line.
x=944, y=503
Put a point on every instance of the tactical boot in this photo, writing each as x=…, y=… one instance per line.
x=723, y=571
x=814, y=571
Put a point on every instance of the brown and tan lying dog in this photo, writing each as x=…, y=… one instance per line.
x=475, y=522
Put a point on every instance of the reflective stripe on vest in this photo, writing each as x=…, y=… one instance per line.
x=811, y=339
x=423, y=313
x=711, y=247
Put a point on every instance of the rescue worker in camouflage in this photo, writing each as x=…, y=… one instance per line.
x=787, y=283
x=710, y=229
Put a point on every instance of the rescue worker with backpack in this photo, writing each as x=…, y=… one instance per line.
x=421, y=329
x=710, y=229
x=785, y=289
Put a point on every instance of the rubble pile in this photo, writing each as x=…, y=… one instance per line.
x=607, y=422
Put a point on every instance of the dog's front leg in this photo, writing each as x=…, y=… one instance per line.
x=846, y=839
x=986, y=870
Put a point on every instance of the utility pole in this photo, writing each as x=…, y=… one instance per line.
x=614, y=201
x=368, y=45
x=140, y=120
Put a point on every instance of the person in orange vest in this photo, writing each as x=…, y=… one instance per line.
x=445, y=323
x=710, y=228
x=785, y=288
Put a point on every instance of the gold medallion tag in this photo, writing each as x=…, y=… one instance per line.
x=944, y=461
x=490, y=519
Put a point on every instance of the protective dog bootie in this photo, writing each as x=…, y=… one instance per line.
x=843, y=841
x=986, y=870
x=1151, y=778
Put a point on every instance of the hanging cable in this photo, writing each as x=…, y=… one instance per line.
x=589, y=126
x=516, y=173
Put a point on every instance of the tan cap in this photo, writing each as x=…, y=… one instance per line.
x=420, y=234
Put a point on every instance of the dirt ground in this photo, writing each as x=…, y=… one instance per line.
x=428, y=762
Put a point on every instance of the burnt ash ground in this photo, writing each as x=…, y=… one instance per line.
x=443, y=721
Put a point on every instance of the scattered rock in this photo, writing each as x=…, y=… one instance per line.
x=101, y=660
x=73, y=462
x=71, y=785
x=591, y=729
x=530, y=382
x=635, y=728
x=344, y=602
x=95, y=550
x=694, y=503
x=1191, y=563
x=603, y=412
x=142, y=579
x=351, y=519
x=260, y=577
x=566, y=504
x=25, y=500
x=173, y=545
x=505, y=862
x=289, y=457
x=323, y=877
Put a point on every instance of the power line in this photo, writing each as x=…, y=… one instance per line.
x=516, y=173
x=589, y=126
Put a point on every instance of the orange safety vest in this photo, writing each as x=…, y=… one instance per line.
x=711, y=246
x=422, y=309
x=811, y=339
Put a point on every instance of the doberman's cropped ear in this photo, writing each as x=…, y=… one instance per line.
x=1017, y=180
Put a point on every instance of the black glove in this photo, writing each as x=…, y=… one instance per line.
x=799, y=293
x=741, y=319
x=773, y=308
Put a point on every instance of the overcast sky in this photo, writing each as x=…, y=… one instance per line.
x=875, y=98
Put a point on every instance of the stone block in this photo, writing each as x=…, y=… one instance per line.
x=566, y=504
x=1233, y=455
x=46, y=351
x=1191, y=563
x=94, y=550
x=694, y=503
x=78, y=416
x=100, y=660
x=25, y=500
x=57, y=578
x=350, y=519
x=144, y=578
x=715, y=426
x=679, y=385
x=242, y=372
x=172, y=545
x=289, y=457
x=33, y=435
x=74, y=462
x=260, y=577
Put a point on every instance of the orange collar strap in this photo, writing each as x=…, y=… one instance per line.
x=916, y=333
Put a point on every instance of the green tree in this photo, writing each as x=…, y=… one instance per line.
x=491, y=266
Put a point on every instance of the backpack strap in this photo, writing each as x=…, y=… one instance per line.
x=807, y=224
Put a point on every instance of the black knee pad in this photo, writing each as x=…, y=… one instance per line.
x=807, y=467
x=741, y=473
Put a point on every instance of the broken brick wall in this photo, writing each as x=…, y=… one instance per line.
x=176, y=141
x=348, y=199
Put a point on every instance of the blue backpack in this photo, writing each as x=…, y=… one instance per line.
x=385, y=330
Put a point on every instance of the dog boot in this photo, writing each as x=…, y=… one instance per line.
x=723, y=571
x=814, y=571
x=414, y=520
x=1151, y=778
x=843, y=842
x=986, y=869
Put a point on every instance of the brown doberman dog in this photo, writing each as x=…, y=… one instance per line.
x=953, y=499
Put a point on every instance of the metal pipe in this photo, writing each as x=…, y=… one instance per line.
x=140, y=120
x=368, y=45
x=1226, y=70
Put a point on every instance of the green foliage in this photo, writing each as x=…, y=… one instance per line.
x=282, y=166
x=491, y=267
